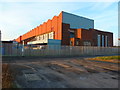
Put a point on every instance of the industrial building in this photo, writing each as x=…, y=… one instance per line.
x=67, y=29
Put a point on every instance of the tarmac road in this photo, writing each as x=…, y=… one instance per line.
x=73, y=72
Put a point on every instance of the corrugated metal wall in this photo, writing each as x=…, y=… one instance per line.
x=77, y=21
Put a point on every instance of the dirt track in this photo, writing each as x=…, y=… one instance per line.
x=64, y=73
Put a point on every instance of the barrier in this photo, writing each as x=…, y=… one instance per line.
x=52, y=50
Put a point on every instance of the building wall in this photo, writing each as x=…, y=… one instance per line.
x=77, y=21
x=65, y=34
x=85, y=37
x=103, y=33
x=61, y=25
x=91, y=36
x=54, y=24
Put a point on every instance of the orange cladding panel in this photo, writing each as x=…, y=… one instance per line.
x=18, y=39
x=26, y=36
x=30, y=34
x=40, y=29
x=54, y=27
x=23, y=37
x=44, y=27
x=79, y=33
x=60, y=26
x=49, y=23
x=37, y=30
x=34, y=32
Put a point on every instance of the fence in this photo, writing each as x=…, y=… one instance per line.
x=52, y=50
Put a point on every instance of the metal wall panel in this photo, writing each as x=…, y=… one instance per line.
x=77, y=21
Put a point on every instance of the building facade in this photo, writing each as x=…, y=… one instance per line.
x=67, y=29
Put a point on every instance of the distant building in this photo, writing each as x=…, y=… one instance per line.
x=9, y=42
x=8, y=47
x=67, y=29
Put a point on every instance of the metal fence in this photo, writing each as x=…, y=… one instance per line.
x=52, y=50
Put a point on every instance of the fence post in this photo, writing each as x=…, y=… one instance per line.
x=0, y=62
x=23, y=48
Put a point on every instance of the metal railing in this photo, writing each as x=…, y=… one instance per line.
x=55, y=50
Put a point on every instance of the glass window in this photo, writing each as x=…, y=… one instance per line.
x=77, y=42
x=106, y=41
x=103, y=40
x=72, y=35
x=71, y=42
x=98, y=40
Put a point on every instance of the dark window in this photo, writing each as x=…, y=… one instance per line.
x=72, y=35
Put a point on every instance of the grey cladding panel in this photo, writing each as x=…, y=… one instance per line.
x=77, y=21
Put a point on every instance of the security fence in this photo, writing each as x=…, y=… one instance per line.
x=10, y=49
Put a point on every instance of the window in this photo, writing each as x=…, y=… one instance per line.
x=39, y=37
x=98, y=40
x=51, y=35
x=72, y=35
x=103, y=40
x=43, y=36
x=77, y=42
x=71, y=42
x=106, y=41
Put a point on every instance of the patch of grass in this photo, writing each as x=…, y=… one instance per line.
x=109, y=57
x=112, y=59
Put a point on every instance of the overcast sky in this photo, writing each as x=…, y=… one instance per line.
x=17, y=18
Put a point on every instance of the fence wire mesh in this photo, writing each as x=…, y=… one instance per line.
x=10, y=49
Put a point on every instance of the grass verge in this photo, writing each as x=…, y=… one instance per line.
x=112, y=59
